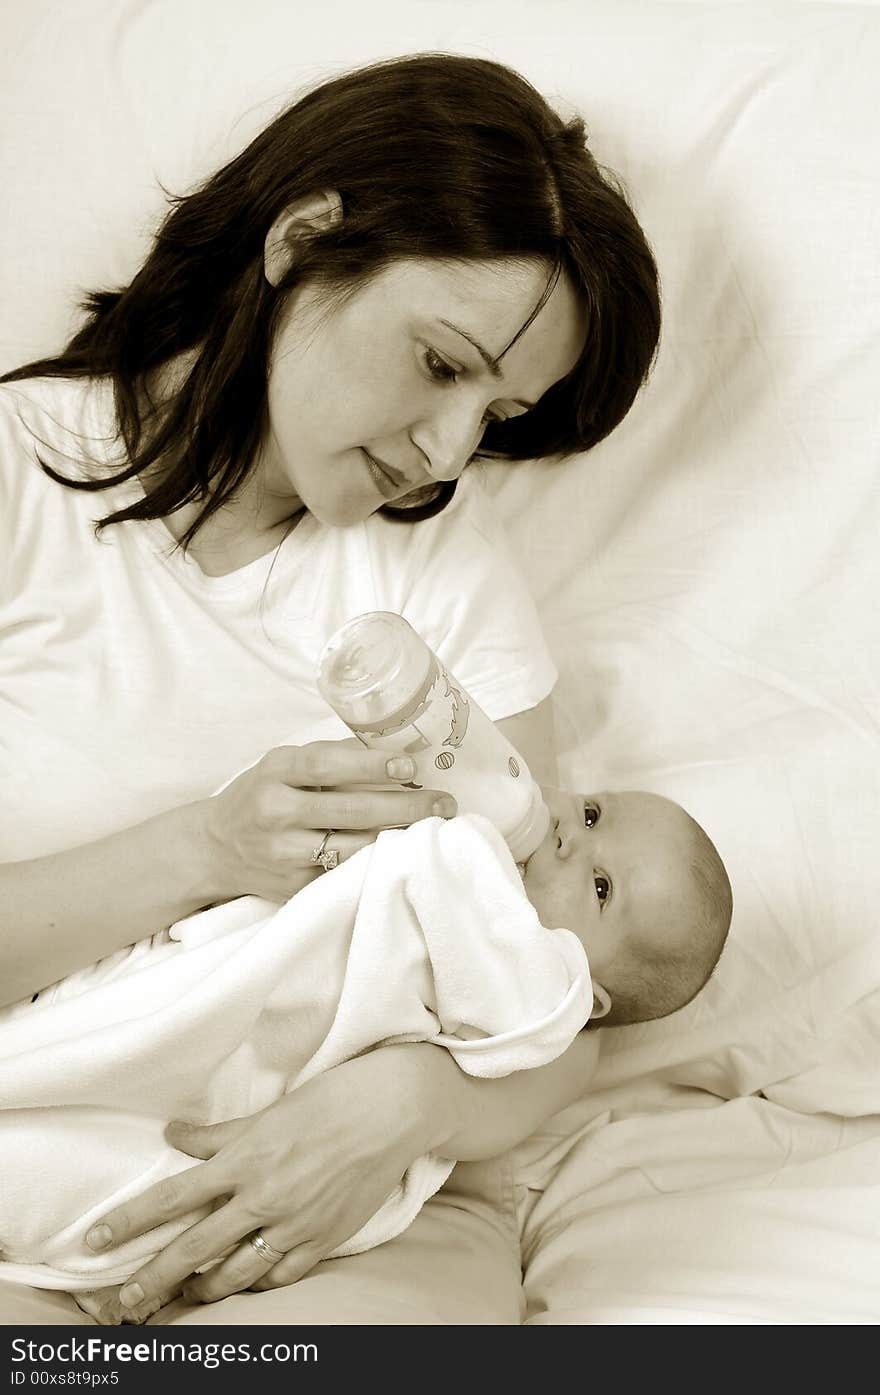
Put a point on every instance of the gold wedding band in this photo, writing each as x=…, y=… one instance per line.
x=266, y=1251
x=325, y=857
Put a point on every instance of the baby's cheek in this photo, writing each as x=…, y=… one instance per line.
x=553, y=908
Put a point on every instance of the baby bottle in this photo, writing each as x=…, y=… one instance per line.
x=393, y=692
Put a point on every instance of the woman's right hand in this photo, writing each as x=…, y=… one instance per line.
x=311, y=1168
x=260, y=831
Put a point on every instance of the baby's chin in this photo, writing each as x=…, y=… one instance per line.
x=523, y=869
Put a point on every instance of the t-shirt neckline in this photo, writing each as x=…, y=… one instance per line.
x=249, y=579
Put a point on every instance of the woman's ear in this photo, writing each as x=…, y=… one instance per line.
x=316, y=213
x=601, y=1002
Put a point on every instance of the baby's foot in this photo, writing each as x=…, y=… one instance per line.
x=104, y=1305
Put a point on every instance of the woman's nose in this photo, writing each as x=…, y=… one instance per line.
x=447, y=441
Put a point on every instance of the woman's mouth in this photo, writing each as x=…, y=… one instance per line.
x=387, y=480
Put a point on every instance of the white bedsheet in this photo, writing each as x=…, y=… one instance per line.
x=707, y=576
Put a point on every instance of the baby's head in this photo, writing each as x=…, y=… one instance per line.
x=641, y=885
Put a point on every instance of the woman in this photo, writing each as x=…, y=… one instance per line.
x=416, y=264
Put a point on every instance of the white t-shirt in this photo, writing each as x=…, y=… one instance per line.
x=131, y=682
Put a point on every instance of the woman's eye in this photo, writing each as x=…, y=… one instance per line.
x=443, y=372
x=592, y=814
x=603, y=888
x=439, y=368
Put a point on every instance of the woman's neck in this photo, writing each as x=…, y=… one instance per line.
x=249, y=525
x=233, y=536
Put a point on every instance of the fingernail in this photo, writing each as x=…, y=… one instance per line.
x=400, y=768
x=445, y=807
x=131, y=1295
x=99, y=1237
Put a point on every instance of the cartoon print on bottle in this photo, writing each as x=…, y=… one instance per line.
x=437, y=715
x=395, y=694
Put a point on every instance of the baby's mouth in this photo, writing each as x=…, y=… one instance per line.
x=550, y=845
x=552, y=834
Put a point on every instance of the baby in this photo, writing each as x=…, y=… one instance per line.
x=626, y=910
x=641, y=885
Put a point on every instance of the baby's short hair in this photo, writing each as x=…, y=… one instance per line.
x=650, y=980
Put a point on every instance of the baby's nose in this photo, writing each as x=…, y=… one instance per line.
x=567, y=839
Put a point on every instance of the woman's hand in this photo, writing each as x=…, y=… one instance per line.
x=310, y=1170
x=307, y=1173
x=261, y=830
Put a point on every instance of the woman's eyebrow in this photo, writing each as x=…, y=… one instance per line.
x=491, y=363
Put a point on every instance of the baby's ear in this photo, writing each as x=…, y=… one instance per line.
x=601, y=1002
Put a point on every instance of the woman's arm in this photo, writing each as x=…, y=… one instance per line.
x=65, y=911
x=532, y=734
x=68, y=910
x=486, y=1117
x=62, y=912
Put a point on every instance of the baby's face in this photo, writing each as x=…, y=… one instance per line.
x=613, y=866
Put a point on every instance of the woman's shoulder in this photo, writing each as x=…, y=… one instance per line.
x=67, y=423
x=64, y=423
x=60, y=409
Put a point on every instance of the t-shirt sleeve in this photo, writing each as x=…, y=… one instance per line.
x=16, y=465
x=455, y=580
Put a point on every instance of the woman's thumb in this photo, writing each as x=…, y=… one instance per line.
x=202, y=1140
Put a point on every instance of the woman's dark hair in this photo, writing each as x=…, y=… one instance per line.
x=434, y=156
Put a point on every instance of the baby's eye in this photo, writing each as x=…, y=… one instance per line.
x=603, y=888
x=592, y=814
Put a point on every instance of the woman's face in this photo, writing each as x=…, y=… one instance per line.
x=388, y=389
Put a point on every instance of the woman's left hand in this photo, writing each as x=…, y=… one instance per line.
x=306, y=1173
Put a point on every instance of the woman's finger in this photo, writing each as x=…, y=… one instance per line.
x=242, y=1269
x=199, y=1245
x=346, y=762
x=296, y=1264
x=361, y=809
x=204, y=1140
x=167, y=1200
x=339, y=840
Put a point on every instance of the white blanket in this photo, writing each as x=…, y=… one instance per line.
x=426, y=936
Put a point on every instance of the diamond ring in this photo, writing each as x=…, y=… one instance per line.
x=325, y=857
